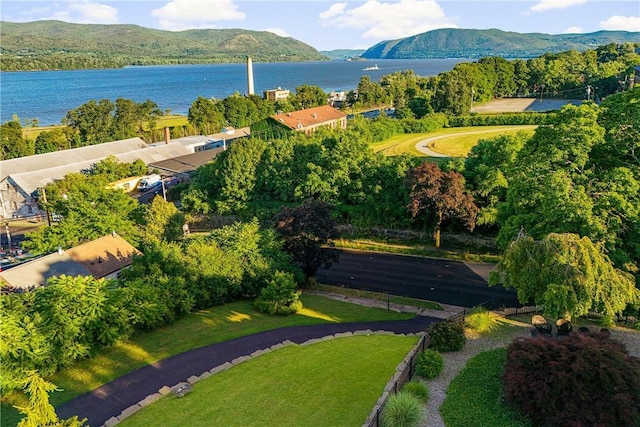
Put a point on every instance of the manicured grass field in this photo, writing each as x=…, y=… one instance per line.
x=400, y=144
x=455, y=142
x=333, y=383
x=474, y=397
x=216, y=324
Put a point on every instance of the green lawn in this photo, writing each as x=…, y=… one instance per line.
x=456, y=142
x=414, y=248
x=217, y=324
x=400, y=144
x=474, y=397
x=333, y=383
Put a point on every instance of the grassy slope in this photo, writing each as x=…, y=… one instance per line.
x=459, y=143
x=331, y=383
x=216, y=324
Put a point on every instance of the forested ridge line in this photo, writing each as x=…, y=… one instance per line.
x=56, y=45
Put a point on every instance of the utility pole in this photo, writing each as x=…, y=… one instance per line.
x=43, y=194
x=6, y=225
x=473, y=93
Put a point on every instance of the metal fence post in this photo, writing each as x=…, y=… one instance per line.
x=411, y=367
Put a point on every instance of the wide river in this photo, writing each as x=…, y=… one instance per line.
x=49, y=95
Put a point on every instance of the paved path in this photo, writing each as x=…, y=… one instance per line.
x=111, y=399
x=434, y=279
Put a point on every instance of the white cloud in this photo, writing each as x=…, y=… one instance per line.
x=185, y=14
x=624, y=23
x=574, y=30
x=278, y=32
x=381, y=20
x=555, y=4
x=335, y=10
x=80, y=12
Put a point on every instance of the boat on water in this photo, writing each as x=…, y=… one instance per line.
x=375, y=67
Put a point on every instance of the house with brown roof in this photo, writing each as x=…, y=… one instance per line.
x=310, y=119
x=102, y=258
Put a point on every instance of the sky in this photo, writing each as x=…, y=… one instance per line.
x=329, y=24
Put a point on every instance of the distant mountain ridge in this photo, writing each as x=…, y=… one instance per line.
x=467, y=43
x=39, y=41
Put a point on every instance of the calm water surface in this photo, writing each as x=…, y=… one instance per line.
x=49, y=95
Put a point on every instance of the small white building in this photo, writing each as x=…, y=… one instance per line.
x=276, y=94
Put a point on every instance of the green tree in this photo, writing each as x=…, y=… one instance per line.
x=504, y=72
x=441, y=195
x=240, y=111
x=92, y=122
x=130, y=118
x=230, y=180
x=52, y=140
x=163, y=222
x=308, y=96
x=89, y=210
x=549, y=187
x=486, y=170
x=566, y=274
x=370, y=93
x=620, y=117
x=39, y=412
x=12, y=143
x=206, y=115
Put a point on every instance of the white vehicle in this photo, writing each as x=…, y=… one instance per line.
x=149, y=182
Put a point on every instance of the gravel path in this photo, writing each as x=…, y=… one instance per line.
x=454, y=362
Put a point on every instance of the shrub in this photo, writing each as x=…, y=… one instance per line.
x=583, y=379
x=430, y=364
x=481, y=320
x=417, y=389
x=447, y=336
x=402, y=410
x=280, y=296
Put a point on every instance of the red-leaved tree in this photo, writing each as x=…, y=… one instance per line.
x=440, y=194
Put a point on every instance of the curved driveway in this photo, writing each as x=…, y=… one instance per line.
x=433, y=279
x=422, y=145
x=111, y=399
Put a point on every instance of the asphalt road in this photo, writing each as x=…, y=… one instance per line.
x=440, y=280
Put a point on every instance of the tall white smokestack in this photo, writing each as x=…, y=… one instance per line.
x=250, y=75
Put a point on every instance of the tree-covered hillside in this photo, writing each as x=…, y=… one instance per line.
x=49, y=45
x=467, y=43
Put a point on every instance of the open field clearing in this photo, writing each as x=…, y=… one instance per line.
x=455, y=142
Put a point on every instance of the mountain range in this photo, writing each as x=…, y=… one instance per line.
x=466, y=43
x=59, y=45
x=134, y=44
